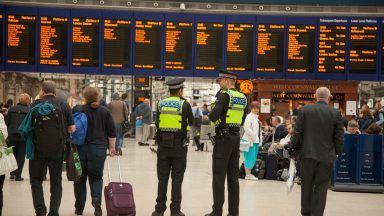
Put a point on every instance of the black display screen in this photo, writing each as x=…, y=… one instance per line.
x=21, y=39
x=178, y=45
x=382, y=48
x=85, y=42
x=270, y=48
x=363, y=49
x=148, y=44
x=332, y=45
x=301, y=44
x=53, y=40
x=117, y=43
x=209, y=46
x=1, y=37
x=240, y=47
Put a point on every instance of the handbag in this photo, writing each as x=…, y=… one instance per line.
x=244, y=145
x=139, y=123
x=73, y=165
x=7, y=159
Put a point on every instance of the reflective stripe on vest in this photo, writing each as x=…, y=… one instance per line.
x=170, y=119
x=237, y=105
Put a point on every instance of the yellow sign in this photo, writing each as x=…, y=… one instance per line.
x=246, y=87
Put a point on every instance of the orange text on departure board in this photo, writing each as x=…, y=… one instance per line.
x=47, y=33
x=332, y=42
x=77, y=32
x=363, y=33
x=294, y=45
x=172, y=37
x=264, y=44
x=140, y=34
x=111, y=25
x=234, y=35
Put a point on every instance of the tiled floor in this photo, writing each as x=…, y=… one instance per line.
x=264, y=198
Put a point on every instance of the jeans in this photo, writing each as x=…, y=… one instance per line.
x=54, y=161
x=92, y=162
x=119, y=136
x=19, y=151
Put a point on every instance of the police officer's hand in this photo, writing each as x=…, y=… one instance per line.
x=112, y=152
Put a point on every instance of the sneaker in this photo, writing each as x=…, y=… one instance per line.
x=251, y=177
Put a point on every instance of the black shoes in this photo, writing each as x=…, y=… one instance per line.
x=78, y=212
x=12, y=177
x=143, y=144
x=177, y=213
x=155, y=213
x=200, y=147
x=97, y=204
x=19, y=179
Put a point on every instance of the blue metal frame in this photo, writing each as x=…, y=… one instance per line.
x=212, y=18
x=146, y=17
x=86, y=14
x=179, y=17
x=310, y=20
x=32, y=11
x=58, y=13
x=124, y=15
x=332, y=75
x=268, y=20
x=2, y=47
x=362, y=76
x=246, y=19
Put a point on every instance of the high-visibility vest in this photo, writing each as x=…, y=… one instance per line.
x=170, y=118
x=236, y=107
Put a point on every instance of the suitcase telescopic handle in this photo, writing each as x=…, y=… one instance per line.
x=109, y=171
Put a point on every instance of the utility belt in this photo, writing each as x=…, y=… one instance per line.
x=227, y=131
x=172, y=139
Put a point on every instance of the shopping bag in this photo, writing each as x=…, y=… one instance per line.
x=291, y=175
x=7, y=159
x=244, y=145
x=73, y=165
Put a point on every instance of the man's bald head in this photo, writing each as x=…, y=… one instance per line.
x=323, y=94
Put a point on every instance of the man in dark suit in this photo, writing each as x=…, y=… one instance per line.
x=319, y=137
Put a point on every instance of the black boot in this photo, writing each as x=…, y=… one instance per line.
x=179, y=213
x=155, y=213
x=97, y=204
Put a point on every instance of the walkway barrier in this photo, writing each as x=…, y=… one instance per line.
x=360, y=168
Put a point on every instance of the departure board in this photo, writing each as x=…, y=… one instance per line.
x=332, y=45
x=363, y=49
x=53, y=40
x=21, y=39
x=178, y=45
x=301, y=41
x=209, y=46
x=239, y=47
x=1, y=37
x=85, y=42
x=117, y=43
x=382, y=47
x=270, y=48
x=148, y=44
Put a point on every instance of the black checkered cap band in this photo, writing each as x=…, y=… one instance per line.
x=176, y=86
x=225, y=75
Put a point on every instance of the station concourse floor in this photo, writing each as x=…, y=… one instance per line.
x=263, y=197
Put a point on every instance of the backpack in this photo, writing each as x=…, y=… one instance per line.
x=50, y=132
x=81, y=123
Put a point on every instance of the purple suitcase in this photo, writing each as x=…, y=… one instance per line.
x=119, y=196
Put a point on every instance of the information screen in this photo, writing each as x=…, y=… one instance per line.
x=148, y=44
x=301, y=41
x=53, y=40
x=178, y=45
x=363, y=49
x=270, y=48
x=332, y=44
x=117, y=43
x=21, y=39
x=240, y=47
x=382, y=47
x=209, y=46
x=85, y=42
x=1, y=37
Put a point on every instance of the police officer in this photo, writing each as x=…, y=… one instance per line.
x=174, y=117
x=228, y=114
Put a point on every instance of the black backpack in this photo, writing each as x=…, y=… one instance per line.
x=197, y=118
x=50, y=132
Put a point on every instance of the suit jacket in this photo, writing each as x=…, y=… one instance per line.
x=319, y=132
x=280, y=133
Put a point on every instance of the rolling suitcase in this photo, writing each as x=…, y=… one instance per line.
x=119, y=196
x=271, y=167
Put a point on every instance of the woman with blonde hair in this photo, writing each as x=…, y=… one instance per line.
x=252, y=134
x=101, y=136
x=15, y=116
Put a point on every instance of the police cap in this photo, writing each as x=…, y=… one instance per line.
x=175, y=83
x=227, y=74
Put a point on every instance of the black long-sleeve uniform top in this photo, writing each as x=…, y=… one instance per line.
x=186, y=116
x=220, y=109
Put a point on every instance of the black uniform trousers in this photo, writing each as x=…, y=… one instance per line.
x=19, y=151
x=170, y=161
x=226, y=162
x=315, y=178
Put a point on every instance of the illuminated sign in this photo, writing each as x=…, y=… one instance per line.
x=270, y=48
x=117, y=43
x=301, y=40
x=239, y=47
x=209, y=46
